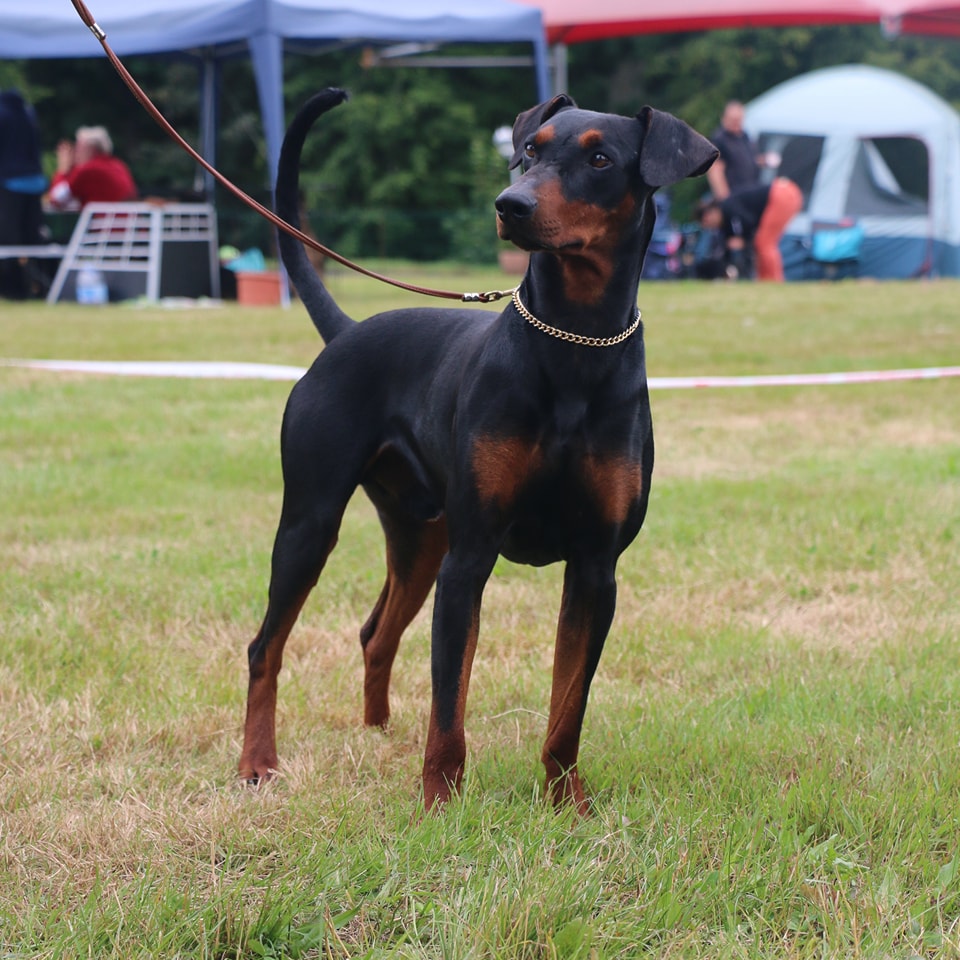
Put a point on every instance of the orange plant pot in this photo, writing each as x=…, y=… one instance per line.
x=258, y=289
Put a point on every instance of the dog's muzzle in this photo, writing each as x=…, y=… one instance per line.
x=515, y=209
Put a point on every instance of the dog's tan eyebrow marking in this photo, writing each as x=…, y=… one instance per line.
x=545, y=135
x=590, y=138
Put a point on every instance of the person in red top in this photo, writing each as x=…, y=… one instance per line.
x=88, y=171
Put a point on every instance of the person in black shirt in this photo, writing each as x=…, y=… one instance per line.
x=738, y=165
x=758, y=216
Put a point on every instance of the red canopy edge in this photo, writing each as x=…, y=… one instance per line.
x=604, y=30
x=573, y=21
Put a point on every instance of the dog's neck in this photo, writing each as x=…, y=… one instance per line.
x=593, y=293
x=574, y=297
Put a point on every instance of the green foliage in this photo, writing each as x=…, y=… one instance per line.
x=13, y=75
x=416, y=205
x=471, y=229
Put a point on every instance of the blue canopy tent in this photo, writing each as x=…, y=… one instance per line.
x=213, y=29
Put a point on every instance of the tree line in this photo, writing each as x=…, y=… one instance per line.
x=407, y=167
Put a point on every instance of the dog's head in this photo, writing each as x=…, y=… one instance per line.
x=588, y=178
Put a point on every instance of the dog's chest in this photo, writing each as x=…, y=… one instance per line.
x=510, y=469
x=568, y=481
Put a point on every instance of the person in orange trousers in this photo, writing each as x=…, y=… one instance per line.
x=757, y=216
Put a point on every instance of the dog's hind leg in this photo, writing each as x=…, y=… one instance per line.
x=321, y=469
x=300, y=551
x=415, y=550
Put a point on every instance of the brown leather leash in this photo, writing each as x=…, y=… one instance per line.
x=87, y=17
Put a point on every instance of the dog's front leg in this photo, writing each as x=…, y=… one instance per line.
x=456, y=622
x=586, y=612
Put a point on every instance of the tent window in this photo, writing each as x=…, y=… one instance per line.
x=891, y=176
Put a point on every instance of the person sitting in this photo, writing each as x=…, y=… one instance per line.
x=88, y=172
x=757, y=216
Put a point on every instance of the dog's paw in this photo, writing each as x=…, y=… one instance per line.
x=257, y=774
x=566, y=792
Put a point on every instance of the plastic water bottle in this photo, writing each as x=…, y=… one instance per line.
x=91, y=287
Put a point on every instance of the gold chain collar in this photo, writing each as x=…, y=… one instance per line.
x=573, y=337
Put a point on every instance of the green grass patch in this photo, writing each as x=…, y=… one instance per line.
x=772, y=740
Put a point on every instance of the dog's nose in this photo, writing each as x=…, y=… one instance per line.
x=511, y=206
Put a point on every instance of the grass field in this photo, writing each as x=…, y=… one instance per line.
x=773, y=739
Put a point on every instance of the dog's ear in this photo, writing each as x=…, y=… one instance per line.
x=671, y=150
x=531, y=119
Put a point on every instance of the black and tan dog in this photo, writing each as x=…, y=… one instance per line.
x=525, y=433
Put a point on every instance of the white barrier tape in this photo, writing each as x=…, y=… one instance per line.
x=266, y=371
x=803, y=379
x=166, y=368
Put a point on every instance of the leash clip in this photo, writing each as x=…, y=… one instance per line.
x=87, y=17
x=490, y=296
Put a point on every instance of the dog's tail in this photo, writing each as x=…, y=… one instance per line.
x=327, y=317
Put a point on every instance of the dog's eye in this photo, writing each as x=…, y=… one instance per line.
x=529, y=155
x=600, y=160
